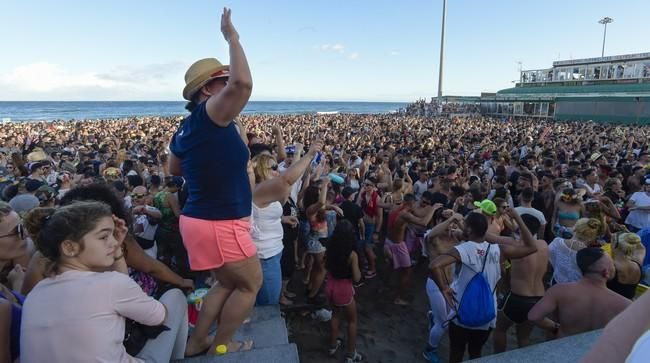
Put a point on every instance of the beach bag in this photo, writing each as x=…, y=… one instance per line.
x=476, y=307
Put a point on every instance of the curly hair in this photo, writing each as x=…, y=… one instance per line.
x=100, y=192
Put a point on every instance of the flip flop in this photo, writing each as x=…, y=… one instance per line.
x=335, y=348
x=244, y=346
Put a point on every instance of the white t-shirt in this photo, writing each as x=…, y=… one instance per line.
x=472, y=255
x=419, y=188
x=149, y=231
x=266, y=229
x=533, y=212
x=639, y=218
x=86, y=309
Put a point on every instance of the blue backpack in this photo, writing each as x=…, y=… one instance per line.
x=476, y=307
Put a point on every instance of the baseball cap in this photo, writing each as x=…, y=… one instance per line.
x=487, y=207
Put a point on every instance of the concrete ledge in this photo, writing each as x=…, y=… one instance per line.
x=567, y=350
x=287, y=353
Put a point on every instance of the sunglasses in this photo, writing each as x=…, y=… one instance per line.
x=18, y=232
x=274, y=167
x=138, y=196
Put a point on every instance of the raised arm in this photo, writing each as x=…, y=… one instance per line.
x=279, y=143
x=227, y=104
x=322, y=199
x=442, y=228
x=517, y=251
x=421, y=221
x=278, y=189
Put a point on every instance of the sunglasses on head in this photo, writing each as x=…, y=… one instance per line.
x=18, y=232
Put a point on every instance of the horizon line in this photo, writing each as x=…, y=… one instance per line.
x=182, y=101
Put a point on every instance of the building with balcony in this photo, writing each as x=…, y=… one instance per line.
x=603, y=89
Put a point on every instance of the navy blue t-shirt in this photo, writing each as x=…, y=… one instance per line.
x=214, y=161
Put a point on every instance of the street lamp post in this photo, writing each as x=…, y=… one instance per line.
x=442, y=52
x=606, y=20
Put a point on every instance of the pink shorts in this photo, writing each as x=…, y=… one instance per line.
x=211, y=244
x=339, y=292
x=399, y=252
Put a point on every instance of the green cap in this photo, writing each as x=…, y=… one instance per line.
x=487, y=207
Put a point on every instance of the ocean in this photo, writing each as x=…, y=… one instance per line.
x=48, y=111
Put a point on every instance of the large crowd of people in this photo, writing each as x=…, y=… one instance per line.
x=105, y=226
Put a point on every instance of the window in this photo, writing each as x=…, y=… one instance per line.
x=628, y=71
x=645, y=73
x=596, y=72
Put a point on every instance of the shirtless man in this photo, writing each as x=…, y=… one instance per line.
x=395, y=248
x=584, y=305
x=526, y=288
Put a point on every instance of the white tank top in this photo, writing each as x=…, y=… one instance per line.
x=266, y=229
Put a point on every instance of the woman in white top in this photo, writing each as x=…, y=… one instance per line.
x=562, y=252
x=77, y=314
x=639, y=206
x=270, y=191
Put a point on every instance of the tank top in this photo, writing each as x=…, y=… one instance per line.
x=625, y=290
x=266, y=229
x=214, y=161
x=169, y=220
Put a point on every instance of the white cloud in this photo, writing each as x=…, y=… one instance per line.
x=394, y=53
x=48, y=81
x=336, y=47
x=353, y=55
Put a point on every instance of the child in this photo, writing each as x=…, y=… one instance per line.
x=342, y=264
x=79, y=303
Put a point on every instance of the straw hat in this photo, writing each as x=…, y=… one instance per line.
x=37, y=155
x=200, y=73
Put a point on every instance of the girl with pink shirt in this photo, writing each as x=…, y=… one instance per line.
x=78, y=313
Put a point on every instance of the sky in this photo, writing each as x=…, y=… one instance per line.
x=315, y=50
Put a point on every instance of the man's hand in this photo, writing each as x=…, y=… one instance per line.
x=448, y=293
x=315, y=147
x=227, y=29
x=186, y=285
